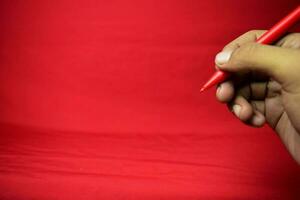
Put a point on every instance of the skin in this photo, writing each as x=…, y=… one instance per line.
x=265, y=86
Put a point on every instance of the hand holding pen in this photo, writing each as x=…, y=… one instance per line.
x=264, y=84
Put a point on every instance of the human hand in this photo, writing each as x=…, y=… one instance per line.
x=265, y=85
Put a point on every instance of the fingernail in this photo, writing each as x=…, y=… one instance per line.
x=222, y=57
x=258, y=120
x=237, y=109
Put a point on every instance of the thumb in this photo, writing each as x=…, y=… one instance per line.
x=270, y=60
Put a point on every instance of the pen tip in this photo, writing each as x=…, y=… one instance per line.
x=202, y=89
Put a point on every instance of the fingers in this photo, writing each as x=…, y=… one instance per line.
x=290, y=41
x=250, y=113
x=250, y=36
x=247, y=37
x=225, y=92
x=273, y=61
x=247, y=103
x=257, y=120
x=241, y=108
x=253, y=91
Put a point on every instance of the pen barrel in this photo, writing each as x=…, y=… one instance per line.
x=280, y=28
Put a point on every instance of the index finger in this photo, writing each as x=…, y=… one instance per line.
x=250, y=36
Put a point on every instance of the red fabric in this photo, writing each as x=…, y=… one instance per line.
x=100, y=100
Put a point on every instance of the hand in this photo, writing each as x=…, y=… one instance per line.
x=265, y=86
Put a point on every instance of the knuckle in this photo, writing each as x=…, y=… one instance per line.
x=242, y=53
x=291, y=41
x=253, y=32
x=249, y=34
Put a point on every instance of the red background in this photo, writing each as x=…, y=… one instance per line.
x=100, y=100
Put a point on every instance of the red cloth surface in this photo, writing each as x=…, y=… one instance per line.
x=100, y=100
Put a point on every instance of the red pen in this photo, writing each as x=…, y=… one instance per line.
x=277, y=31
